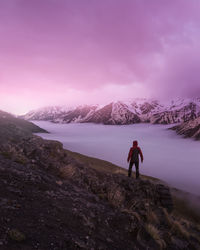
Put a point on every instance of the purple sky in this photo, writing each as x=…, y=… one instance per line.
x=95, y=51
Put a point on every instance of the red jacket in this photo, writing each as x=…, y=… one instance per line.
x=135, y=145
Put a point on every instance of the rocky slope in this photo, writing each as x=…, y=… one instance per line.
x=135, y=111
x=50, y=199
x=178, y=111
x=189, y=129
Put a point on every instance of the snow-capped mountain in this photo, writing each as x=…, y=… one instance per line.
x=47, y=113
x=114, y=113
x=145, y=108
x=77, y=115
x=121, y=112
x=189, y=129
x=180, y=110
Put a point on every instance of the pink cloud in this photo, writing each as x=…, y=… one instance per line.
x=49, y=45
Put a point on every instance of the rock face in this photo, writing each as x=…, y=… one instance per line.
x=120, y=113
x=179, y=111
x=189, y=129
x=51, y=201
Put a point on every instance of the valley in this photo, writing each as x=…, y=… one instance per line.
x=166, y=155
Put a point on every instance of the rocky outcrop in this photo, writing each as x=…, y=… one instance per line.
x=50, y=200
x=189, y=129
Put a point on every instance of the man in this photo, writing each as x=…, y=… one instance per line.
x=133, y=157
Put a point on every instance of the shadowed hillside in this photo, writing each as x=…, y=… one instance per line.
x=10, y=124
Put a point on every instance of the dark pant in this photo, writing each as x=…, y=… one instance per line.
x=136, y=168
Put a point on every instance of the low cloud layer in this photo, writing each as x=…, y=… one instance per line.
x=49, y=48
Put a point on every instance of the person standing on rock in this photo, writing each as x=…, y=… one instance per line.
x=133, y=157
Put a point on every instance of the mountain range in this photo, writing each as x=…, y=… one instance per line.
x=121, y=112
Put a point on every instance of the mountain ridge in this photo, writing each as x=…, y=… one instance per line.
x=122, y=113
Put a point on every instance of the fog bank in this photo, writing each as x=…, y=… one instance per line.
x=166, y=155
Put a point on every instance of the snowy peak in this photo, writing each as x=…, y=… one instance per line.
x=120, y=112
x=114, y=113
x=189, y=129
x=122, y=115
x=146, y=108
x=180, y=110
x=77, y=115
x=46, y=113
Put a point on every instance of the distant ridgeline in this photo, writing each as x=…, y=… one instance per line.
x=136, y=111
x=184, y=111
x=52, y=198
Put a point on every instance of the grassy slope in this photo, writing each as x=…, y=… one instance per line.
x=183, y=205
x=103, y=166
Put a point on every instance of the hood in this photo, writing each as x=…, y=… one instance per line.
x=135, y=143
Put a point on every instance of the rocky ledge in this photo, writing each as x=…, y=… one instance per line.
x=50, y=200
